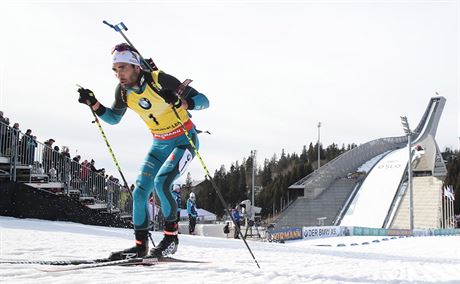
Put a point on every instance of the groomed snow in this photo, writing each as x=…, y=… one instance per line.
x=381, y=184
x=400, y=260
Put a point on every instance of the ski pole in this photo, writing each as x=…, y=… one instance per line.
x=214, y=185
x=119, y=28
x=110, y=148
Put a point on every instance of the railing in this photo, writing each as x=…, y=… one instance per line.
x=283, y=211
x=348, y=162
x=23, y=153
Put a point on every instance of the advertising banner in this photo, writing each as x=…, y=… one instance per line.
x=324, y=232
x=399, y=232
x=364, y=231
x=284, y=234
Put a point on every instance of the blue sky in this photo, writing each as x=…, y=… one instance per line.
x=271, y=70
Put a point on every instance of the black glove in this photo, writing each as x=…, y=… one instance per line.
x=87, y=97
x=170, y=97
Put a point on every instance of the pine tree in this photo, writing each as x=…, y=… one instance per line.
x=304, y=155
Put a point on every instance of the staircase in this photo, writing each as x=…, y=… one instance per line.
x=321, y=210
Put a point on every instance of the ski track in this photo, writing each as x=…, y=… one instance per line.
x=402, y=260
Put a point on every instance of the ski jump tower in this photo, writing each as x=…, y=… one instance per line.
x=366, y=186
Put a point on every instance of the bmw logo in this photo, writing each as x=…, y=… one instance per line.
x=145, y=103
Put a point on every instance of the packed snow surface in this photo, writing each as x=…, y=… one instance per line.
x=331, y=260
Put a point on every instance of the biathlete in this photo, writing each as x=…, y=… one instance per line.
x=152, y=95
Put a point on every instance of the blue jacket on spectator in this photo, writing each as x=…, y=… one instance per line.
x=236, y=215
x=191, y=206
x=178, y=199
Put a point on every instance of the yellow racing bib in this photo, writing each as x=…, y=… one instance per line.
x=156, y=113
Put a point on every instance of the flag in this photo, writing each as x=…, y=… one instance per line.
x=448, y=193
x=452, y=193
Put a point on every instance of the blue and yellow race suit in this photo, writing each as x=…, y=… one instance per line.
x=171, y=151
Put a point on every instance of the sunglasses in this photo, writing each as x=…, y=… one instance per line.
x=122, y=47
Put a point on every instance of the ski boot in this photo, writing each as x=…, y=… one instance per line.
x=169, y=243
x=139, y=250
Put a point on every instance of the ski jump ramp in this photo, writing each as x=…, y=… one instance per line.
x=375, y=200
x=375, y=196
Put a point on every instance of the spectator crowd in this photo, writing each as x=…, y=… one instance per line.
x=56, y=163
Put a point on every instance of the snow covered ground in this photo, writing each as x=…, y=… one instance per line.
x=401, y=260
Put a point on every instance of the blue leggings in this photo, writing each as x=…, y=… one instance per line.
x=165, y=162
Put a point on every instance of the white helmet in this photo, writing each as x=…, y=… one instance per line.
x=192, y=196
x=176, y=187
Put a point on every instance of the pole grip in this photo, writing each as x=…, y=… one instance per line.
x=120, y=27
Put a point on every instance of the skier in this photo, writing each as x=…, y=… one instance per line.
x=192, y=213
x=152, y=95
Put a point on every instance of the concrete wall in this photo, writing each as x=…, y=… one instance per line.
x=208, y=230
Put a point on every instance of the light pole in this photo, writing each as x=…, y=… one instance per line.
x=319, y=158
x=408, y=132
x=253, y=156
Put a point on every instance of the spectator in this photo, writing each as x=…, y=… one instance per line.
x=65, y=162
x=13, y=140
x=56, y=160
x=114, y=184
x=23, y=146
x=97, y=182
x=93, y=168
x=75, y=169
x=65, y=152
x=2, y=119
x=237, y=218
x=77, y=159
x=227, y=228
x=6, y=137
x=11, y=135
x=84, y=174
x=48, y=154
x=192, y=213
x=112, y=179
x=84, y=171
x=110, y=185
x=31, y=145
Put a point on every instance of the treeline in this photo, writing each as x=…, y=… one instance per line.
x=272, y=179
x=275, y=175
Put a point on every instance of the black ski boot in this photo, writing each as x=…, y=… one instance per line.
x=169, y=243
x=139, y=250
